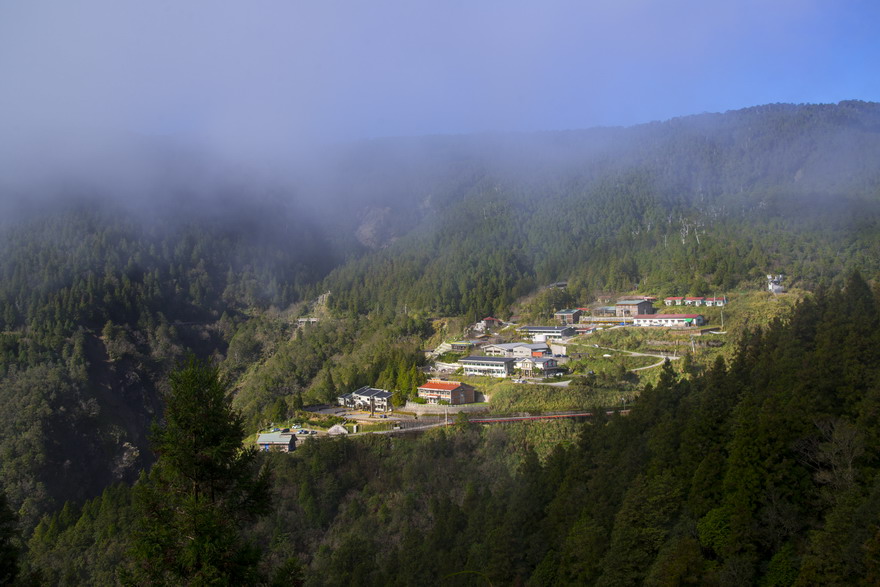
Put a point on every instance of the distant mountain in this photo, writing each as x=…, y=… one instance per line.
x=690, y=205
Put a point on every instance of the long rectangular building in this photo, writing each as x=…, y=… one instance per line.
x=487, y=366
x=545, y=333
x=517, y=349
x=669, y=320
x=281, y=441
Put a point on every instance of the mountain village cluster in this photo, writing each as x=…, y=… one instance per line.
x=543, y=356
x=540, y=354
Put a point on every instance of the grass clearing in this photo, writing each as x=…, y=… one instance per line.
x=540, y=398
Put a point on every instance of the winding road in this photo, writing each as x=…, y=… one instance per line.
x=630, y=353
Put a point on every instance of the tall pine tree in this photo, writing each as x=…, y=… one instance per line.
x=203, y=486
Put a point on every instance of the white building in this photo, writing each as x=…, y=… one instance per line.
x=669, y=320
x=367, y=398
x=547, y=333
x=717, y=302
x=517, y=349
x=537, y=366
x=487, y=366
x=774, y=283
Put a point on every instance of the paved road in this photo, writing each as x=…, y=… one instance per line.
x=637, y=354
x=630, y=353
x=497, y=420
x=554, y=384
x=663, y=360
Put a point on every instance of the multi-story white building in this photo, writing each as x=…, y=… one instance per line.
x=367, y=398
x=487, y=366
x=537, y=366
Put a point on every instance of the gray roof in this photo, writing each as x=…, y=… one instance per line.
x=486, y=360
x=506, y=345
x=632, y=302
x=275, y=438
x=543, y=360
x=546, y=328
x=535, y=359
x=367, y=391
x=509, y=346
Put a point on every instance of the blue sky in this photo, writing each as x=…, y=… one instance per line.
x=266, y=73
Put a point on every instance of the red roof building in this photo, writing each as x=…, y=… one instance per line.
x=488, y=323
x=451, y=392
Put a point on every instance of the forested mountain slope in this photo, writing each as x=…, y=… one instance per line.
x=100, y=294
x=684, y=206
x=762, y=471
x=96, y=305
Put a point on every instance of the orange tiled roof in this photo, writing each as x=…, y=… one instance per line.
x=440, y=385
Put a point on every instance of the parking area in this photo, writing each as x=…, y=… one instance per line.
x=358, y=415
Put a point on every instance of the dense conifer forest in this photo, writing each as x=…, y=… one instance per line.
x=761, y=471
x=758, y=470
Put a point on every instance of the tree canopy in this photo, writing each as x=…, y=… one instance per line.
x=202, y=489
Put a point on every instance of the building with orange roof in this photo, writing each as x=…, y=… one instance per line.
x=451, y=392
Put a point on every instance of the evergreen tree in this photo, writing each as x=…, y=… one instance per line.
x=8, y=549
x=203, y=487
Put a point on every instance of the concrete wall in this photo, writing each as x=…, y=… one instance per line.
x=436, y=409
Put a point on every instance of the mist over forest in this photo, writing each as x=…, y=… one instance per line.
x=122, y=255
